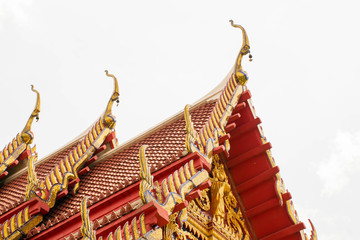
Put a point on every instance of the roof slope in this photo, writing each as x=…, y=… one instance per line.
x=121, y=168
x=13, y=193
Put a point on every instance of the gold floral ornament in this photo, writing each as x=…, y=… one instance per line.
x=240, y=75
x=87, y=226
x=21, y=143
x=173, y=231
x=62, y=174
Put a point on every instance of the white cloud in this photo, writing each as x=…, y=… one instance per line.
x=343, y=162
x=16, y=10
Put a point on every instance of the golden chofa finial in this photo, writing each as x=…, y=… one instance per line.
x=26, y=134
x=87, y=226
x=240, y=75
x=146, y=183
x=109, y=119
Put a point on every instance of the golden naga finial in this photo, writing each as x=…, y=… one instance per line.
x=26, y=134
x=33, y=182
x=87, y=226
x=109, y=119
x=192, y=139
x=241, y=75
x=146, y=183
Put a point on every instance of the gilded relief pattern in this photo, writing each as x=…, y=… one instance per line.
x=173, y=231
x=224, y=206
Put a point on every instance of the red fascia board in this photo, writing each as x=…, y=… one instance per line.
x=248, y=155
x=245, y=96
x=263, y=207
x=180, y=206
x=222, y=139
x=234, y=118
x=237, y=135
x=14, y=163
x=239, y=107
x=98, y=210
x=154, y=215
x=4, y=174
x=258, y=179
x=199, y=163
x=25, y=154
x=246, y=127
x=35, y=205
x=286, y=232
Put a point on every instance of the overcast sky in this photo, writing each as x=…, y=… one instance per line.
x=167, y=54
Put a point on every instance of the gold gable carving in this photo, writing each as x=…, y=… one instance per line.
x=216, y=212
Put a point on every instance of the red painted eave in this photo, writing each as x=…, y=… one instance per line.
x=254, y=178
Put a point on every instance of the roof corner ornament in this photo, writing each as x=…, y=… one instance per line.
x=33, y=182
x=173, y=189
x=26, y=135
x=146, y=183
x=87, y=226
x=22, y=140
x=192, y=140
x=240, y=75
x=109, y=118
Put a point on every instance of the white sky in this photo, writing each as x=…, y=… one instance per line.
x=167, y=54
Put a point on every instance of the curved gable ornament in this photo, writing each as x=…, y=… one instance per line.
x=26, y=135
x=67, y=169
x=240, y=75
x=21, y=143
x=109, y=118
x=87, y=226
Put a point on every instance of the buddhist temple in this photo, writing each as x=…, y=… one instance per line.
x=205, y=173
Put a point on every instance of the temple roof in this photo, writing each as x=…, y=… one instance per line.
x=111, y=175
x=120, y=165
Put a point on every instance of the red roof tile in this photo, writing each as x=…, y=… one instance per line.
x=120, y=169
x=13, y=193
